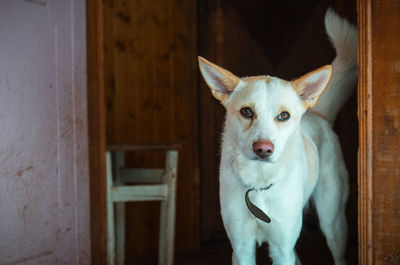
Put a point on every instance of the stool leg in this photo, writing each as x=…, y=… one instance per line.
x=119, y=162
x=120, y=231
x=110, y=214
x=167, y=219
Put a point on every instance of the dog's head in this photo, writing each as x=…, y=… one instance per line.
x=263, y=111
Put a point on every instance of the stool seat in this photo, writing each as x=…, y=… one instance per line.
x=140, y=184
x=143, y=147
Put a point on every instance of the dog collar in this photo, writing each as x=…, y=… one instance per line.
x=257, y=212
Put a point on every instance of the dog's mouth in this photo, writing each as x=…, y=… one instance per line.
x=265, y=159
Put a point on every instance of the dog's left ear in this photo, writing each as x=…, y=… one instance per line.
x=310, y=86
x=221, y=81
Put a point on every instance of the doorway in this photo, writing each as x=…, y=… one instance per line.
x=149, y=91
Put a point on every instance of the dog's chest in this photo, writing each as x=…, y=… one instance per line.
x=279, y=203
x=283, y=207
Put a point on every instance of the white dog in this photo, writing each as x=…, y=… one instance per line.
x=279, y=150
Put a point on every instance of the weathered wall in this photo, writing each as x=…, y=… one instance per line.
x=44, y=178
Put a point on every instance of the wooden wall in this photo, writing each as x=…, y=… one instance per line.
x=96, y=124
x=151, y=97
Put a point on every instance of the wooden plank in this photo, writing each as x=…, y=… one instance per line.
x=139, y=193
x=185, y=113
x=365, y=155
x=120, y=232
x=111, y=242
x=97, y=138
x=168, y=212
x=380, y=118
x=119, y=162
x=141, y=175
x=142, y=147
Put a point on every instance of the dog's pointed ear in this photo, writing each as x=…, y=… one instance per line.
x=221, y=81
x=310, y=86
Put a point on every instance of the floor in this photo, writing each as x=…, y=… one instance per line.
x=311, y=249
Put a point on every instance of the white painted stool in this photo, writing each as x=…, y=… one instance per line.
x=155, y=185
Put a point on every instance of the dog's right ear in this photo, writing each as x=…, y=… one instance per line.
x=310, y=86
x=221, y=81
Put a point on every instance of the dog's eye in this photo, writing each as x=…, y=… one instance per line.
x=246, y=112
x=283, y=116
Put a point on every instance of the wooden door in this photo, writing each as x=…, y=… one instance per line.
x=44, y=217
x=379, y=115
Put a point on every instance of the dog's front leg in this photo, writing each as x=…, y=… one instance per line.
x=282, y=256
x=241, y=230
x=244, y=253
x=281, y=249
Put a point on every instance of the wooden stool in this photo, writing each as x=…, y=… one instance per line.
x=153, y=185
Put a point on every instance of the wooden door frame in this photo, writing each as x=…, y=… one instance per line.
x=97, y=131
x=378, y=101
x=365, y=133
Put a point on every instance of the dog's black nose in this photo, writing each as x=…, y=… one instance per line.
x=263, y=148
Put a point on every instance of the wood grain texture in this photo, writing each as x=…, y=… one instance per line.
x=142, y=147
x=365, y=137
x=97, y=139
x=379, y=98
x=150, y=52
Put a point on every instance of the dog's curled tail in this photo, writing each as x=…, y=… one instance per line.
x=344, y=37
